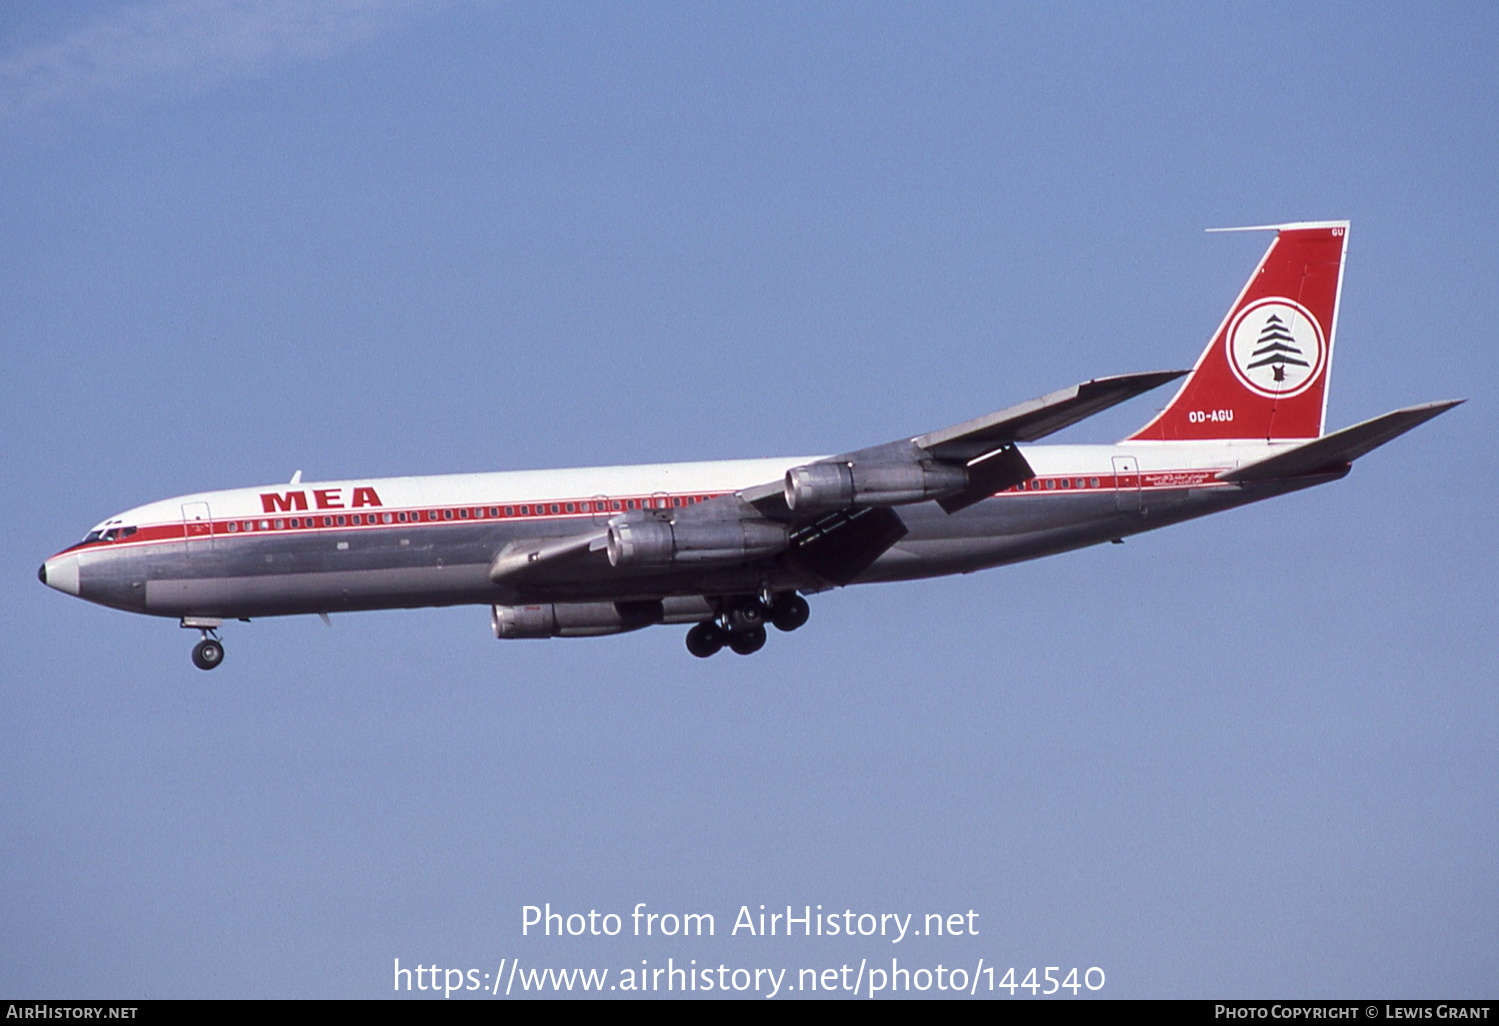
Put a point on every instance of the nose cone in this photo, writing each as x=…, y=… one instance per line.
x=60, y=572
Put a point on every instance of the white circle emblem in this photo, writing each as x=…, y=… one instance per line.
x=1276, y=348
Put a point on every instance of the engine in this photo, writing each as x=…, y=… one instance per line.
x=589, y=619
x=663, y=543
x=835, y=485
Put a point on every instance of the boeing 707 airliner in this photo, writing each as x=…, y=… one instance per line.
x=731, y=547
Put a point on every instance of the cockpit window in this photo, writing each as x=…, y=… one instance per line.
x=109, y=535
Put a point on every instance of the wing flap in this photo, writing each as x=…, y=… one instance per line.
x=841, y=545
x=1003, y=468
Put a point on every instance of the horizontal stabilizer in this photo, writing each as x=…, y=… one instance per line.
x=1036, y=418
x=1337, y=450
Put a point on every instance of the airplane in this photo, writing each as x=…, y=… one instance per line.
x=731, y=547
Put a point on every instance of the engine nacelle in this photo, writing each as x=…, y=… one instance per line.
x=663, y=543
x=541, y=620
x=590, y=619
x=835, y=485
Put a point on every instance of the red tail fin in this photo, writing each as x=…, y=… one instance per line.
x=1264, y=375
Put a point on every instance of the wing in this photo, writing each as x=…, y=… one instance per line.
x=1037, y=418
x=839, y=510
x=984, y=446
x=834, y=517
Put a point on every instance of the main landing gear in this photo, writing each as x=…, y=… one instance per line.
x=742, y=627
x=209, y=652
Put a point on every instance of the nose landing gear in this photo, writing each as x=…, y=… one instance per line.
x=742, y=627
x=209, y=652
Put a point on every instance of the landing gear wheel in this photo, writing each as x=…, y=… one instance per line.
x=747, y=642
x=747, y=616
x=790, y=612
x=705, y=639
x=207, y=654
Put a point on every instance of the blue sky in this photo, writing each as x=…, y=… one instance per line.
x=1252, y=755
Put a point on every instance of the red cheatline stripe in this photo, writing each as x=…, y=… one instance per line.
x=373, y=517
x=312, y=521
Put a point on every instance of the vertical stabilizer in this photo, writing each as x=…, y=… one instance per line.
x=1264, y=374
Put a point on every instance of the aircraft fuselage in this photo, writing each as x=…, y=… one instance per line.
x=429, y=541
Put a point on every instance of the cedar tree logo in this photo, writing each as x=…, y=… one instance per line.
x=1276, y=347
